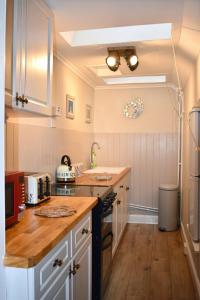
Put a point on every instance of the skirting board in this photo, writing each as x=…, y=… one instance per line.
x=142, y=219
x=191, y=262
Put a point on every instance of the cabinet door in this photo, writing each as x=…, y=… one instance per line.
x=32, y=55
x=119, y=214
x=114, y=227
x=61, y=288
x=63, y=292
x=82, y=281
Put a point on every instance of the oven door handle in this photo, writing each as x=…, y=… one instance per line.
x=108, y=212
x=107, y=245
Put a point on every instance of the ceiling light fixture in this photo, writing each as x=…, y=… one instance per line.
x=129, y=54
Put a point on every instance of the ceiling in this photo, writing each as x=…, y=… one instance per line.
x=155, y=57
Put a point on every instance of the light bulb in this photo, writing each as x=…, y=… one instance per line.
x=111, y=61
x=133, y=60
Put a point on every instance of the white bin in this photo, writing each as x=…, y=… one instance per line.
x=168, y=207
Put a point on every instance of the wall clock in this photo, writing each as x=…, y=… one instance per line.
x=134, y=108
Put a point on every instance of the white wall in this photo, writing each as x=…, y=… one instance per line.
x=158, y=115
x=2, y=174
x=147, y=144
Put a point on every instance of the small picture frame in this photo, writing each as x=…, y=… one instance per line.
x=70, y=107
x=88, y=114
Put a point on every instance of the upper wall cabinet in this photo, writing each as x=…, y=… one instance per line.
x=29, y=41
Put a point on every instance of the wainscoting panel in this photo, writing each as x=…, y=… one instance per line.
x=151, y=156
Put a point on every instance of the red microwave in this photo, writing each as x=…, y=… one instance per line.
x=14, y=196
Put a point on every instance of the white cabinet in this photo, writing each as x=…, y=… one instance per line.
x=82, y=279
x=31, y=27
x=65, y=273
x=120, y=211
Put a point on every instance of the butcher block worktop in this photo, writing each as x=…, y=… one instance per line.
x=30, y=240
x=89, y=179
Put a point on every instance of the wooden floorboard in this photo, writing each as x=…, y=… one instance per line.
x=150, y=265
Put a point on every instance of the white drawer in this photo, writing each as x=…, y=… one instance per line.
x=81, y=232
x=52, y=264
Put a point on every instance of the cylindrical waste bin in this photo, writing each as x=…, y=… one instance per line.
x=168, y=207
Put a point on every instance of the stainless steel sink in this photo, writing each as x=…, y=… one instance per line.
x=109, y=170
x=102, y=177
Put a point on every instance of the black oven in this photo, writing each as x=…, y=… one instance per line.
x=102, y=245
x=102, y=235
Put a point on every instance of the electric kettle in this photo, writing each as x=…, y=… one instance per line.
x=65, y=172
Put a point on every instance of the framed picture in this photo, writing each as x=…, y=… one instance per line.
x=70, y=107
x=88, y=114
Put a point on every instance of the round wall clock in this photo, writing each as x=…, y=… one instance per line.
x=134, y=108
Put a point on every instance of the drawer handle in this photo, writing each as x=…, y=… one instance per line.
x=57, y=262
x=121, y=186
x=127, y=188
x=118, y=201
x=85, y=231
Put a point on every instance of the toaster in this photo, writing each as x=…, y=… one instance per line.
x=37, y=187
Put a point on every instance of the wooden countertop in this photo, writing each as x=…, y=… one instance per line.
x=89, y=179
x=31, y=239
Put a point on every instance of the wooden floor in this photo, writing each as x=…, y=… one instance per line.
x=150, y=265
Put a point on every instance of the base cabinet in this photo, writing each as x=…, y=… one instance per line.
x=120, y=211
x=63, y=274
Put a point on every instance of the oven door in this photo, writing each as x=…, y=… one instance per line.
x=106, y=247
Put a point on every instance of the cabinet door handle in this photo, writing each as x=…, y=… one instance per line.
x=21, y=99
x=127, y=188
x=85, y=231
x=24, y=100
x=118, y=201
x=57, y=262
x=18, y=99
x=77, y=266
x=72, y=271
x=121, y=186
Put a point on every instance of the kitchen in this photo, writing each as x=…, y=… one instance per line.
x=61, y=97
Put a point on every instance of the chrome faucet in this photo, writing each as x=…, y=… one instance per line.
x=93, y=155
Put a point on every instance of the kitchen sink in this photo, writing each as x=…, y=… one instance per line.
x=102, y=177
x=109, y=170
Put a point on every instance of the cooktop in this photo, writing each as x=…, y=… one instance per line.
x=79, y=190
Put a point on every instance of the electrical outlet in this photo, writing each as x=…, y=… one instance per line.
x=57, y=111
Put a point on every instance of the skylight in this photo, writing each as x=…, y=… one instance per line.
x=113, y=35
x=135, y=79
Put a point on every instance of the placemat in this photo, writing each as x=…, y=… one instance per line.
x=55, y=211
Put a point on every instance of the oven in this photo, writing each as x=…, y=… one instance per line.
x=102, y=245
